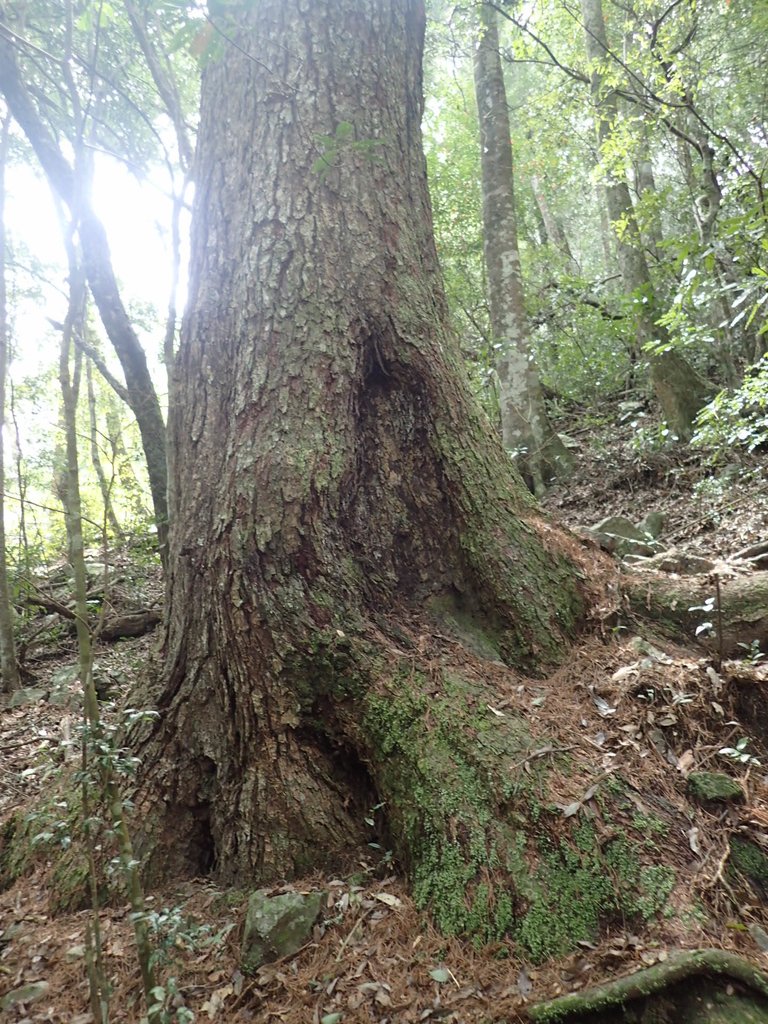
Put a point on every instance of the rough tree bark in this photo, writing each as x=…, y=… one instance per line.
x=335, y=490
x=678, y=388
x=525, y=425
x=353, y=556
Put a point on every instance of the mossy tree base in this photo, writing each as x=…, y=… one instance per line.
x=333, y=478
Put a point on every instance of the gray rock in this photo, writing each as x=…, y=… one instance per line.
x=25, y=994
x=680, y=562
x=636, y=559
x=66, y=676
x=570, y=442
x=276, y=926
x=62, y=693
x=621, y=537
x=634, y=547
x=627, y=410
x=27, y=695
x=13, y=931
x=652, y=524
x=640, y=645
x=618, y=526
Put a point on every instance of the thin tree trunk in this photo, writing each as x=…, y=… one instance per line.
x=95, y=745
x=161, y=69
x=526, y=429
x=21, y=486
x=104, y=486
x=645, y=184
x=69, y=380
x=553, y=229
x=9, y=668
x=139, y=390
x=607, y=235
x=707, y=198
x=679, y=389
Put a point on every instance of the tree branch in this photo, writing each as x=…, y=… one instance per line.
x=164, y=83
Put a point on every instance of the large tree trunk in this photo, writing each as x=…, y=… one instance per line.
x=338, y=497
x=524, y=421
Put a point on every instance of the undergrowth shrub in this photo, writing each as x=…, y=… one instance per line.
x=736, y=419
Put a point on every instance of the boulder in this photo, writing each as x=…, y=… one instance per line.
x=276, y=926
x=28, y=695
x=621, y=537
x=652, y=524
x=24, y=995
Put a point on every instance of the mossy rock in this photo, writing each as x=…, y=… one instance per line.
x=50, y=834
x=69, y=884
x=277, y=926
x=18, y=853
x=32, y=992
x=749, y=860
x=714, y=787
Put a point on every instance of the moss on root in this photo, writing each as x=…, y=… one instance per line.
x=469, y=826
x=694, y=987
x=440, y=754
x=580, y=885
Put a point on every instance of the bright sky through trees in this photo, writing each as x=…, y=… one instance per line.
x=136, y=217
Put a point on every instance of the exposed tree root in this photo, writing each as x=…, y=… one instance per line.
x=580, y=1006
x=736, y=608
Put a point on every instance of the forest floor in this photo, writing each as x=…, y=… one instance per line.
x=372, y=956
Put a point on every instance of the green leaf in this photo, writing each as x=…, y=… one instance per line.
x=440, y=974
x=322, y=165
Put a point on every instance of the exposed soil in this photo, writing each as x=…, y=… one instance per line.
x=373, y=956
x=711, y=508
